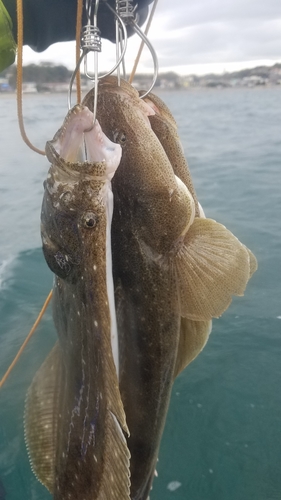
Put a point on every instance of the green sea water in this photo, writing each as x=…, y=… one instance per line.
x=222, y=439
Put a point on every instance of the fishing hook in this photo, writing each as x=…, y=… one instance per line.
x=125, y=40
x=91, y=42
x=127, y=12
x=153, y=53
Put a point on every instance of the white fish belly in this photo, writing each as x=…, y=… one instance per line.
x=109, y=280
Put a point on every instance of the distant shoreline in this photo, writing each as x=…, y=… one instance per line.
x=49, y=78
x=156, y=90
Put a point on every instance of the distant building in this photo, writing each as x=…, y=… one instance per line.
x=29, y=87
x=254, y=80
x=4, y=85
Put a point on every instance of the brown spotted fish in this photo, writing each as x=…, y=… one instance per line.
x=173, y=272
x=194, y=334
x=75, y=422
x=164, y=126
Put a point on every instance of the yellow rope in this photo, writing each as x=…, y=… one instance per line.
x=78, y=35
x=19, y=78
x=142, y=43
x=26, y=140
x=15, y=360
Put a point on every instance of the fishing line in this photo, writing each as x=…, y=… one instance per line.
x=26, y=140
x=19, y=79
x=78, y=47
x=30, y=145
x=15, y=360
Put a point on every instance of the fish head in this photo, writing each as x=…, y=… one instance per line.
x=145, y=177
x=88, y=416
x=77, y=191
x=122, y=114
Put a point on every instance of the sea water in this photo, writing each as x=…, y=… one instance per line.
x=222, y=439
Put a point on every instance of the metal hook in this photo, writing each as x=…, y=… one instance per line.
x=92, y=43
x=125, y=40
x=91, y=39
x=127, y=13
x=153, y=53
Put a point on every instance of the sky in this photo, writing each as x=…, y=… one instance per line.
x=194, y=37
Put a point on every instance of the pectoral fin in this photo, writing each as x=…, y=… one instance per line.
x=193, y=338
x=41, y=418
x=210, y=266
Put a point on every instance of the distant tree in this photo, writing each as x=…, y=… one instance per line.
x=43, y=73
x=170, y=77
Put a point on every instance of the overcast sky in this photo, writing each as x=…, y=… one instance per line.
x=196, y=36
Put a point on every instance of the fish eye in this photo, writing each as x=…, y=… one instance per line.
x=119, y=137
x=89, y=220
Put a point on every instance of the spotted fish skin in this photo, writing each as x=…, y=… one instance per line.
x=150, y=212
x=193, y=334
x=164, y=126
x=88, y=426
x=174, y=270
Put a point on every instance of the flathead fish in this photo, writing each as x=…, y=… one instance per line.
x=193, y=334
x=173, y=270
x=75, y=422
x=132, y=307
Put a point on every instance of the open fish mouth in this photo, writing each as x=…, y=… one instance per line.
x=81, y=139
x=85, y=419
x=133, y=300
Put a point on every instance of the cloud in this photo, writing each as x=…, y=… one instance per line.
x=221, y=42
x=190, y=13
x=217, y=31
x=201, y=32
